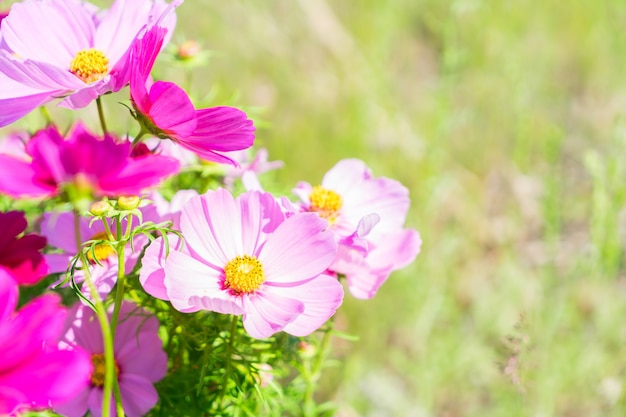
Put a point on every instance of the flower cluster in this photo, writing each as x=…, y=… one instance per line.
x=152, y=258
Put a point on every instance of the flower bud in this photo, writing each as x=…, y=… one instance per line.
x=188, y=50
x=130, y=202
x=100, y=208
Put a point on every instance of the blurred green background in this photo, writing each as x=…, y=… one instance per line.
x=507, y=122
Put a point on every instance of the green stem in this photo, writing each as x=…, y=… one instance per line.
x=121, y=274
x=101, y=116
x=103, y=319
x=119, y=407
x=229, y=355
x=46, y=114
x=141, y=134
x=314, y=372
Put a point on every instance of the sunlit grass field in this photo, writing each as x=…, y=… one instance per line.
x=507, y=121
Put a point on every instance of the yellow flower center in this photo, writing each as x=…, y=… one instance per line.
x=99, y=369
x=101, y=251
x=90, y=65
x=244, y=274
x=325, y=202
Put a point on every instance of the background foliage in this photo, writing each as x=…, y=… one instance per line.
x=506, y=119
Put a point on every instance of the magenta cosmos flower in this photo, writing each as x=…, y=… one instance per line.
x=83, y=165
x=34, y=371
x=165, y=110
x=66, y=48
x=139, y=361
x=243, y=257
x=20, y=254
x=58, y=228
x=368, y=215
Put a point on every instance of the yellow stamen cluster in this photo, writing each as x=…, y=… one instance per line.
x=101, y=251
x=90, y=65
x=325, y=202
x=99, y=369
x=244, y=274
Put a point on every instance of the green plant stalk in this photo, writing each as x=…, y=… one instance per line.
x=121, y=274
x=314, y=372
x=229, y=354
x=107, y=334
x=101, y=116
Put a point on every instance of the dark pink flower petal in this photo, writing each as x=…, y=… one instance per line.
x=21, y=256
x=33, y=371
x=138, y=174
x=18, y=179
x=171, y=110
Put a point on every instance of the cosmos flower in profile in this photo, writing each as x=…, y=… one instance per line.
x=68, y=49
x=139, y=360
x=34, y=371
x=367, y=214
x=20, y=254
x=243, y=256
x=83, y=165
x=166, y=110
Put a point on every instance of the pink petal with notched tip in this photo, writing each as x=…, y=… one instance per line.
x=268, y=313
x=321, y=297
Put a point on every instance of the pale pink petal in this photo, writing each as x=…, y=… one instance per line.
x=366, y=275
x=51, y=32
x=211, y=224
x=12, y=109
x=37, y=75
x=298, y=249
x=119, y=27
x=152, y=273
x=321, y=297
x=186, y=277
x=268, y=313
x=346, y=175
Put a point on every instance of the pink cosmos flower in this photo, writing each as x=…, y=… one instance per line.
x=65, y=48
x=368, y=215
x=166, y=110
x=58, y=228
x=33, y=371
x=243, y=256
x=139, y=361
x=82, y=164
x=21, y=256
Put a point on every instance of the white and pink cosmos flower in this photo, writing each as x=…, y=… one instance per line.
x=243, y=256
x=69, y=49
x=367, y=214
